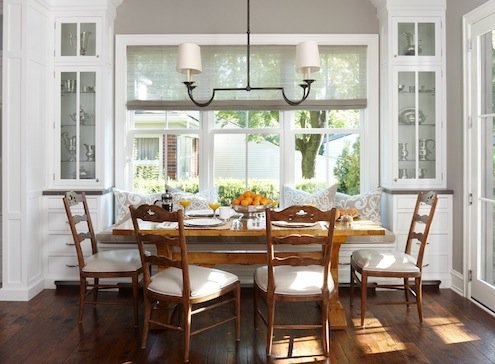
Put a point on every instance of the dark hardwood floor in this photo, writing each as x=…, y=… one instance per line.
x=45, y=330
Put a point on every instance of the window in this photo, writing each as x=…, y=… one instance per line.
x=236, y=144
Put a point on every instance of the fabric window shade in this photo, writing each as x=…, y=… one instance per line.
x=154, y=83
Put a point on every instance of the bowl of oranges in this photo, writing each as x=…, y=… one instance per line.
x=250, y=203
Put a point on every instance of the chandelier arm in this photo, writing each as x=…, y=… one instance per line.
x=306, y=90
x=190, y=87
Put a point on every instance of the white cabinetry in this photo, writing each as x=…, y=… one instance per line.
x=413, y=124
x=438, y=254
x=82, y=133
x=59, y=253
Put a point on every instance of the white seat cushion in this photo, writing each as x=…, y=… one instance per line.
x=204, y=281
x=124, y=260
x=382, y=260
x=294, y=280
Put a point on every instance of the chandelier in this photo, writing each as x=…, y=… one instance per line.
x=307, y=62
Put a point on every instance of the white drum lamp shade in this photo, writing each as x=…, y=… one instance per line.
x=307, y=58
x=189, y=59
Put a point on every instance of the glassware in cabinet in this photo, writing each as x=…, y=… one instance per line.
x=416, y=38
x=417, y=125
x=78, y=39
x=78, y=126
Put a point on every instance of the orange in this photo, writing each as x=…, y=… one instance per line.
x=236, y=201
x=245, y=202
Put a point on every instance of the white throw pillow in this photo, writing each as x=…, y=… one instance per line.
x=324, y=199
x=124, y=199
x=368, y=204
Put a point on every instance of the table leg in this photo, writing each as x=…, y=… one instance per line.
x=337, y=312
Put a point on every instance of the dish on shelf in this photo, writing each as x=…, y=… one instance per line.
x=408, y=116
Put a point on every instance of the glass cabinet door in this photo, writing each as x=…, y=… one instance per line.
x=77, y=125
x=417, y=125
x=78, y=39
x=416, y=39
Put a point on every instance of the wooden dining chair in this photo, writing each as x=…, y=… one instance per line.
x=298, y=269
x=168, y=278
x=94, y=264
x=403, y=265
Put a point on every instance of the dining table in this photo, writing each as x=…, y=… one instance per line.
x=232, y=235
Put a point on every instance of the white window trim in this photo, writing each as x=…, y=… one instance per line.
x=370, y=137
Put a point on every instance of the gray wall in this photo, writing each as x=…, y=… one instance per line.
x=455, y=10
x=315, y=16
x=229, y=16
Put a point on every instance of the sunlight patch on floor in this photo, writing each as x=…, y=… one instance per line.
x=375, y=338
x=450, y=330
x=305, y=349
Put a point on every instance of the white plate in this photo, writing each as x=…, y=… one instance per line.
x=200, y=213
x=203, y=222
x=293, y=224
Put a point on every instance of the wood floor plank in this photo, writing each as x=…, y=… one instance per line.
x=45, y=330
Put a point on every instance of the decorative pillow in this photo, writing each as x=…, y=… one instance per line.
x=368, y=204
x=124, y=199
x=324, y=199
x=199, y=201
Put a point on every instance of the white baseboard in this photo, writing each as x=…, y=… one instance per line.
x=20, y=293
x=457, y=282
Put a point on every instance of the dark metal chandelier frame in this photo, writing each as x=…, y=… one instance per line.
x=306, y=85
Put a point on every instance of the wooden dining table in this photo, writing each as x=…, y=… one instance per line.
x=231, y=249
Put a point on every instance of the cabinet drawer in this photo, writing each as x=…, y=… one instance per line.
x=63, y=267
x=408, y=202
x=64, y=244
x=58, y=222
x=56, y=202
x=440, y=225
x=437, y=244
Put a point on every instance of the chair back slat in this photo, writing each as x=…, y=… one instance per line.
x=296, y=247
x=299, y=239
x=81, y=226
x=170, y=243
x=297, y=261
x=419, y=230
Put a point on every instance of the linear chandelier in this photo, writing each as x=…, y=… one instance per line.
x=307, y=62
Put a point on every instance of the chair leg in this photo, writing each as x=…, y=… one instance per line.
x=351, y=286
x=325, y=328
x=270, y=304
x=364, y=293
x=255, y=306
x=135, y=295
x=146, y=324
x=96, y=284
x=419, y=297
x=237, y=307
x=406, y=290
x=187, y=331
x=82, y=295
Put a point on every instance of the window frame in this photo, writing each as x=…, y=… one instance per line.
x=370, y=119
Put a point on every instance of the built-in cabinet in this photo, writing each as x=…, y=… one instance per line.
x=413, y=125
x=397, y=215
x=82, y=158
x=413, y=128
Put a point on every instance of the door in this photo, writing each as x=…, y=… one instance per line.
x=480, y=169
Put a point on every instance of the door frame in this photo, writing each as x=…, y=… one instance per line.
x=470, y=210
